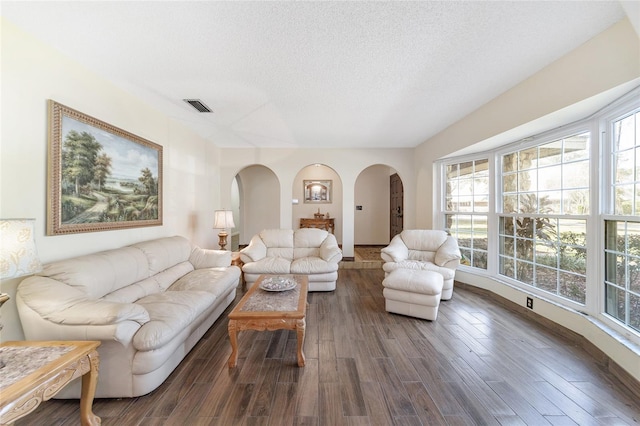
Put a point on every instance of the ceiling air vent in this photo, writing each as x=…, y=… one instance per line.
x=197, y=104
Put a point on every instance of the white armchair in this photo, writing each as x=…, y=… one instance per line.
x=427, y=250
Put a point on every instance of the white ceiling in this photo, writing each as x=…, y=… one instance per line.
x=315, y=74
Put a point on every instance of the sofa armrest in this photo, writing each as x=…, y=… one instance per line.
x=99, y=312
x=255, y=251
x=329, y=250
x=59, y=303
x=448, y=252
x=452, y=264
x=202, y=258
x=37, y=328
x=396, y=251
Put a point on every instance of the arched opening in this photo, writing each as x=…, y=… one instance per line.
x=377, y=211
x=317, y=194
x=258, y=202
x=374, y=215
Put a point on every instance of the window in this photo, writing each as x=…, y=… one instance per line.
x=561, y=218
x=622, y=272
x=622, y=231
x=467, y=207
x=545, y=201
x=626, y=159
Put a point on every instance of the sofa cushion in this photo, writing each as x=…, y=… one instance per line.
x=308, y=241
x=414, y=281
x=279, y=242
x=283, y=252
x=421, y=256
x=446, y=273
x=423, y=239
x=169, y=276
x=99, y=274
x=217, y=281
x=268, y=265
x=164, y=252
x=203, y=258
x=277, y=237
x=312, y=265
x=302, y=252
x=133, y=292
x=170, y=312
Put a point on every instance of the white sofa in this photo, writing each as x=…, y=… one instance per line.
x=427, y=250
x=148, y=303
x=307, y=251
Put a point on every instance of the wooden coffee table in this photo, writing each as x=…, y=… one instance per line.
x=36, y=371
x=266, y=310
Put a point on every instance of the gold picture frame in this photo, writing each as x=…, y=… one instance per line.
x=100, y=177
x=317, y=191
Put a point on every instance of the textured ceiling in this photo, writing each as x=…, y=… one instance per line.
x=315, y=74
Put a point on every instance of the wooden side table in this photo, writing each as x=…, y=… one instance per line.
x=326, y=224
x=236, y=261
x=37, y=371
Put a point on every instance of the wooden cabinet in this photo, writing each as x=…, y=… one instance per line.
x=326, y=224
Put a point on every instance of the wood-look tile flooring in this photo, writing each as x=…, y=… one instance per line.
x=478, y=364
x=364, y=257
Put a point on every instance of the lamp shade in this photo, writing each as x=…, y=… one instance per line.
x=223, y=219
x=18, y=254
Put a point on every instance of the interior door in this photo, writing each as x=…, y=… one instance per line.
x=396, y=192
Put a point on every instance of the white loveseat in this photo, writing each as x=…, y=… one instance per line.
x=427, y=250
x=307, y=251
x=148, y=303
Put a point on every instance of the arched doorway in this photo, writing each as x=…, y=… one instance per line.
x=374, y=213
x=327, y=202
x=258, y=202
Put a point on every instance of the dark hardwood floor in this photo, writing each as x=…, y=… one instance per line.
x=478, y=364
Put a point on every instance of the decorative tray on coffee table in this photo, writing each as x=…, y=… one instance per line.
x=278, y=284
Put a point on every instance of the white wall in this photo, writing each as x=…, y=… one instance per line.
x=31, y=74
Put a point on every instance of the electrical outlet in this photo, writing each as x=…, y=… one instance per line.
x=529, y=302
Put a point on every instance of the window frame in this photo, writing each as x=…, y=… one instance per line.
x=487, y=214
x=576, y=128
x=627, y=105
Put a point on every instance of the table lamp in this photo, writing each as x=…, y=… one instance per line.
x=18, y=254
x=223, y=219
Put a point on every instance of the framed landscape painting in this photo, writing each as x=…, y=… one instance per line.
x=100, y=177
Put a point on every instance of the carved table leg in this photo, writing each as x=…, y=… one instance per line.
x=300, y=328
x=233, y=337
x=89, y=383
